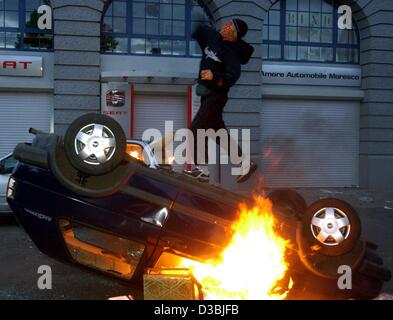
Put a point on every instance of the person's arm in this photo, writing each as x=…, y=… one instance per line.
x=231, y=74
x=201, y=34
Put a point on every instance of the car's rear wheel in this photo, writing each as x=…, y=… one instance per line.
x=95, y=144
x=331, y=226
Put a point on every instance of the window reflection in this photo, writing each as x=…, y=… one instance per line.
x=19, y=30
x=155, y=27
x=305, y=30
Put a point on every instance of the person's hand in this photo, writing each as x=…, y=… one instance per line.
x=207, y=75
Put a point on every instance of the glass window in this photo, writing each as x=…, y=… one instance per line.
x=7, y=165
x=179, y=48
x=291, y=5
x=327, y=54
x=195, y=50
x=274, y=52
x=138, y=46
x=154, y=27
x=265, y=51
x=18, y=26
x=306, y=30
x=290, y=53
x=11, y=19
x=327, y=36
x=303, y=5
x=315, y=35
x=12, y=40
x=274, y=33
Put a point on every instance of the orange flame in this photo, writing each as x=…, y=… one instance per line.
x=252, y=265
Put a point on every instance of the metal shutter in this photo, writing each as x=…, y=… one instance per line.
x=19, y=112
x=310, y=143
x=152, y=111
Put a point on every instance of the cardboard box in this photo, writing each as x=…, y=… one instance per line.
x=171, y=284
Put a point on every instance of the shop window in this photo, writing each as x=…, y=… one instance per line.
x=306, y=30
x=18, y=26
x=152, y=27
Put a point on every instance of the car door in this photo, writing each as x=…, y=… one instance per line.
x=198, y=226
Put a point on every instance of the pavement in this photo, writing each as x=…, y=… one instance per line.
x=20, y=259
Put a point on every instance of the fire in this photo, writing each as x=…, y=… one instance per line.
x=135, y=151
x=135, y=154
x=252, y=265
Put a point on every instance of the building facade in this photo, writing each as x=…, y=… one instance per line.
x=317, y=99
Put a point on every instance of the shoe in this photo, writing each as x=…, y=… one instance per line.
x=245, y=177
x=198, y=174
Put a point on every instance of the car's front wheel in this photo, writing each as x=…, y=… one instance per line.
x=95, y=144
x=331, y=226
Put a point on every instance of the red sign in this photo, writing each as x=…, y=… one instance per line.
x=21, y=66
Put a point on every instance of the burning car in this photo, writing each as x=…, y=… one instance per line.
x=84, y=199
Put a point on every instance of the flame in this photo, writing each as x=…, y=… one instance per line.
x=252, y=265
x=135, y=154
x=170, y=160
x=135, y=151
x=316, y=248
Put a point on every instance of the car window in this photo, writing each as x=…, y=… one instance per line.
x=136, y=151
x=7, y=165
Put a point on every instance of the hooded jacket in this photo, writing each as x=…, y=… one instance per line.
x=223, y=58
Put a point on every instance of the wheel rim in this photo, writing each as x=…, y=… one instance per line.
x=330, y=226
x=95, y=144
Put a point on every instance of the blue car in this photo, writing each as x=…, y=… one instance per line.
x=83, y=199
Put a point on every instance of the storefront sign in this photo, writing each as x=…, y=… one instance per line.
x=21, y=66
x=116, y=103
x=311, y=75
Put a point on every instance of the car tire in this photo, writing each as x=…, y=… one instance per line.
x=331, y=226
x=289, y=202
x=366, y=288
x=369, y=278
x=95, y=144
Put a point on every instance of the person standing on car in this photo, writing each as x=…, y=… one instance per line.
x=223, y=53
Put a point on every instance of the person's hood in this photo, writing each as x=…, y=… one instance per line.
x=243, y=50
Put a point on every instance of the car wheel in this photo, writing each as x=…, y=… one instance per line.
x=369, y=279
x=95, y=144
x=331, y=226
x=288, y=202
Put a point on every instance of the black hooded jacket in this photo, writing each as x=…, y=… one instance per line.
x=223, y=58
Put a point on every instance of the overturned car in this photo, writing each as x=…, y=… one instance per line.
x=83, y=199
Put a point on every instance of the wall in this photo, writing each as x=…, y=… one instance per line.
x=375, y=21
x=77, y=59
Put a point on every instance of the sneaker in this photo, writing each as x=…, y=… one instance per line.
x=198, y=174
x=245, y=177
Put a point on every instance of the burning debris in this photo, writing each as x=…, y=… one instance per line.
x=253, y=265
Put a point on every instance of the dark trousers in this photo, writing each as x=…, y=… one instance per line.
x=209, y=116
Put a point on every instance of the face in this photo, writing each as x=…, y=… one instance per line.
x=228, y=31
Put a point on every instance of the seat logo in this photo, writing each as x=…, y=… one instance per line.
x=115, y=98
